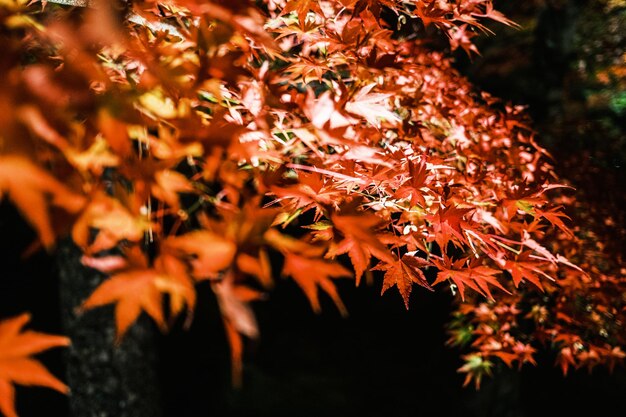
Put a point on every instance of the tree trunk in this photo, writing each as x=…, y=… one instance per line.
x=106, y=380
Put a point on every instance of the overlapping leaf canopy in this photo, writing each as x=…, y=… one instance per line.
x=334, y=133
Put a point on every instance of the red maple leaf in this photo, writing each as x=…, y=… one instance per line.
x=360, y=241
x=523, y=267
x=448, y=225
x=302, y=8
x=471, y=274
x=403, y=273
x=371, y=106
x=411, y=189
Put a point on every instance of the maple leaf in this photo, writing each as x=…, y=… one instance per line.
x=95, y=159
x=245, y=226
x=476, y=366
x=115, y=132
x=32, y=189
x=474, y=275
x=371, y=106
x=287, y=244
x=302, y=8
x=16, y=365
x=555, y=216
x=253, y=97
x=257, y=266
x=236, y=350
x=335, y=92
x=210, y=252
x=140, y=289
x=448, y=225
x=412, y=187
x=312, y=189
x=507, y=357
x=491, y=13
x=462, y=37
x=429, y=14
x=311, y=273
x=113, y=221
x=323, y=109
x=523, y=267
x=403, y=273
x=238, y=318
x=360, y=241
x=365, y=154
x=565, y=359
x=522, y=197
x=234, y=305
x=245, y=19
x=168, y=184
x=307, y=70
x=524, y=353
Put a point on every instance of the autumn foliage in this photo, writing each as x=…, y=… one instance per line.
x=237, y=142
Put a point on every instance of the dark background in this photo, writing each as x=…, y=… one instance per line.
x=381, y=360
x=384, y=360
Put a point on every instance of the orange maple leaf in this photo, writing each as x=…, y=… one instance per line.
x=311, y=190
x=167, y=186
x=257, y=266
x=31, y=189
x=114, y=222
x=311, y=273
x=16, y=366
x=140, y=289
x=238, y=319
x=211, y=253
